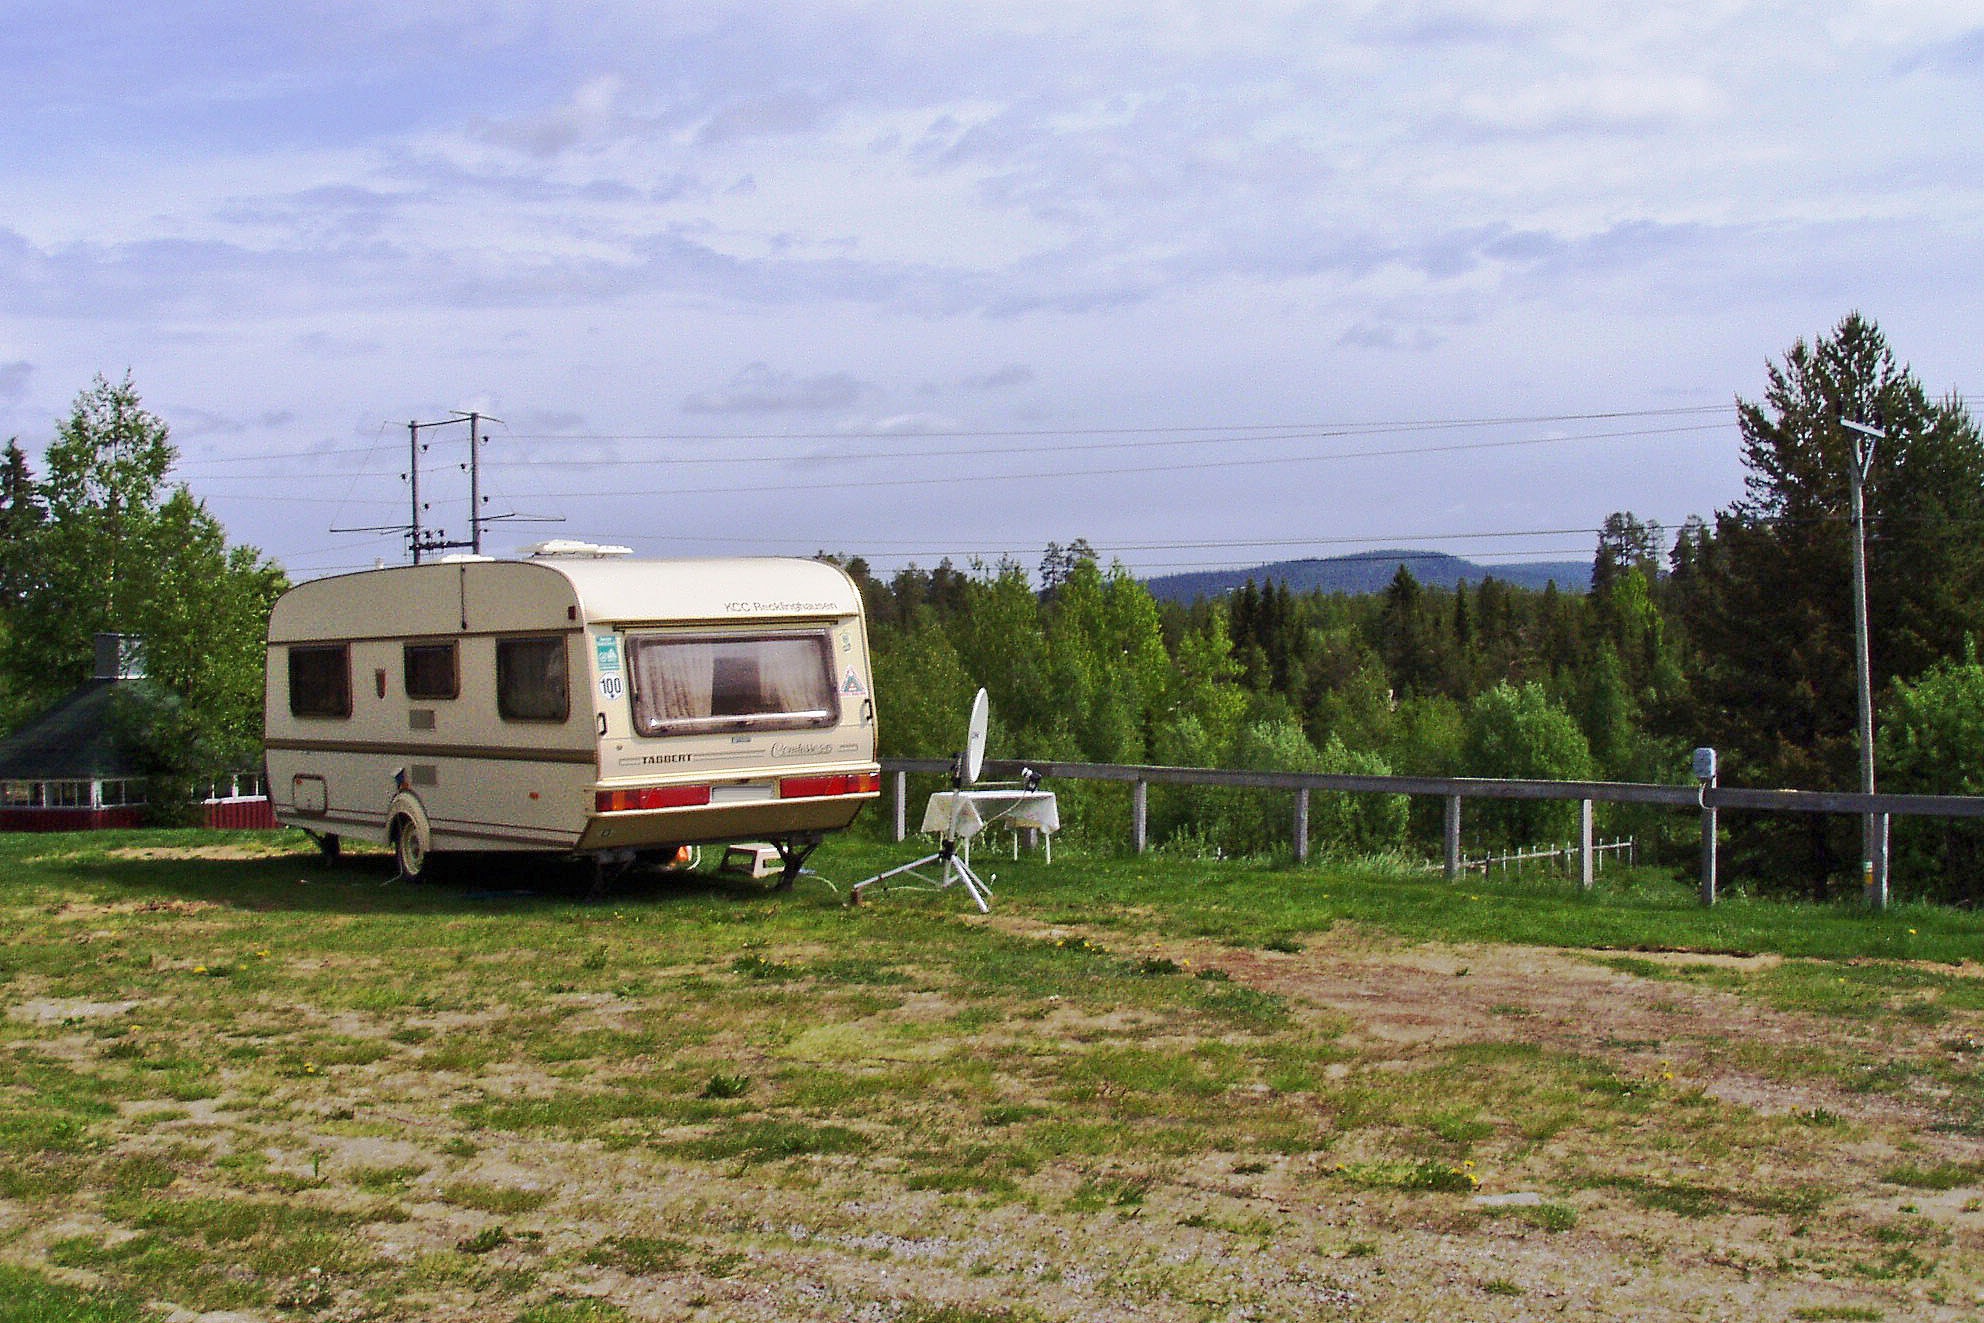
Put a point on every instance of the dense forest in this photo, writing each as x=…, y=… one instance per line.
x=1734, y=632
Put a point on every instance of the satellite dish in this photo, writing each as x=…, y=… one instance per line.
x=974, y=741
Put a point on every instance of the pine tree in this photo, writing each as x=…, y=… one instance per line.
x=1766, y=594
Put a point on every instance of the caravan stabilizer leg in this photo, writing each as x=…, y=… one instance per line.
x=793, y=852
x=606, y=866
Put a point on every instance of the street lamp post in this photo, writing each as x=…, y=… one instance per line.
x=1873, y=826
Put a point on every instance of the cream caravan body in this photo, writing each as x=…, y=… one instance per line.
x=576, y=702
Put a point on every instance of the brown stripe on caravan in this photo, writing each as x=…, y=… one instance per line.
x=511, y=753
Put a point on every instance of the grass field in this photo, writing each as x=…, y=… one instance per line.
x=236, y=1081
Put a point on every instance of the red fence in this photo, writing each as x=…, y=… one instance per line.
x=239, y=814
x=71, y=819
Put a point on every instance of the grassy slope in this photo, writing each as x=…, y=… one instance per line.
x=254, y=1083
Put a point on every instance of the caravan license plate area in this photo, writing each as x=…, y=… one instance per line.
x=742, y=794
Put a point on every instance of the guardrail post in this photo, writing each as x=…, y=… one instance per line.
x=1708, y=844
x=1139, y=814
x=1302, y=825
x=902, y=806
x=1453, y=837
x=1584, y=845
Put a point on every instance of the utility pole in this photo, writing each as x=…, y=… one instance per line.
x=1873, y=826
x=413, y=483
x=421, y=541
x=439, y=540
x=474, y=486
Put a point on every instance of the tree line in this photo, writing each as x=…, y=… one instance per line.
x=1733, y=631
x=105, y=542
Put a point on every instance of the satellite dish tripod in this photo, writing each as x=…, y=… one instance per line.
x=955, y=864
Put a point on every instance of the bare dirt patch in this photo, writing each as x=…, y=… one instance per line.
x=1177, y=1132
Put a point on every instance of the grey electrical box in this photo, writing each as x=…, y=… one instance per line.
x=1704, y=764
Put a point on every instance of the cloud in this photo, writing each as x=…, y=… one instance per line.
x=327, y=344
x=1962, y=56
x=14, y=380
x=757, y=388
x=780, y=114
x=533, y=421
x=901, y=424
x=1597, y=102
x=1367, y=335
x=589, y=119
x=1005, y=378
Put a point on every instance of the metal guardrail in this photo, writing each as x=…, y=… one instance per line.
x=1707, y=799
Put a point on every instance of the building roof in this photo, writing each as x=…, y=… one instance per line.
x=74, y=740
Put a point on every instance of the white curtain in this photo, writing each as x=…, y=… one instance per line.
x=685, y=682
x=794, y=675
x=675, y=679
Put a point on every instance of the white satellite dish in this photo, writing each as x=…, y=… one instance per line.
x=960, y=819
x=973, y=761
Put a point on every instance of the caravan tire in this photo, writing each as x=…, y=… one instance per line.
x=409, y=856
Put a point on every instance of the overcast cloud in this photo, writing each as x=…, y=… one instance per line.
x=887, y=277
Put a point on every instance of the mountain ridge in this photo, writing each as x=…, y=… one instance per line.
x=1370, y=572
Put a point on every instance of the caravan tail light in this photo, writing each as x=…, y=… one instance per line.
x=847, y=783
x=650, y=797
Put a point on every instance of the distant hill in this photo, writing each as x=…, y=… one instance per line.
x=1370, y=572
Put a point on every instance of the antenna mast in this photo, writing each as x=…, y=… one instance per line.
x=421, y=541
x=439, y=540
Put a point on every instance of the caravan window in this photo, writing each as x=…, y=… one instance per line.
x=692, y=685
x=320, y=681
x=430, y=671
x=530, y=680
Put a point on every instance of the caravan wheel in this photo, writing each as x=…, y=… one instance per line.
x=409, y=854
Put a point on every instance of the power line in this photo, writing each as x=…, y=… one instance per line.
x=1218, y=434
x=1300, y=429
x=860, y=484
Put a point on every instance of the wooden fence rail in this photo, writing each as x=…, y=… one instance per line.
x=1706, y=799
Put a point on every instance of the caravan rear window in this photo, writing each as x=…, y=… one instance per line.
x=320, y=681
x=690, y=685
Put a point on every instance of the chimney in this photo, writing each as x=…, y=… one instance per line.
x=120, y=657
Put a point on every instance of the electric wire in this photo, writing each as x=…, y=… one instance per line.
x=1170, y=436
x=1063, y=474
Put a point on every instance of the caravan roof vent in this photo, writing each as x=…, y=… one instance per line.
x=571, y=550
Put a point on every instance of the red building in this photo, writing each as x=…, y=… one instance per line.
x=67, y=770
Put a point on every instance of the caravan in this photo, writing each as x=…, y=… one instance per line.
x=574, y=701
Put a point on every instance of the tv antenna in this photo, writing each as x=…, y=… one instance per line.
x=421, y=540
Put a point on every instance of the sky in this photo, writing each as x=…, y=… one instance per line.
x=1206, y=284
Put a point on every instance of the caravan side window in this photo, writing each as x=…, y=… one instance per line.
x=692, y=685
x=531, y=680
x=320, y=680
x=431, y=671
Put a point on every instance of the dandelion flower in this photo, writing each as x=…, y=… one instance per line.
x=199, y=969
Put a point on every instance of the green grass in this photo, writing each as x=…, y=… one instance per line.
x=1935, y=1176
x=309, y=1058
x=29, y=1297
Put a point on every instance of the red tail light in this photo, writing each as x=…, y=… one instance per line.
x=650, y=797
x=845, y=783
